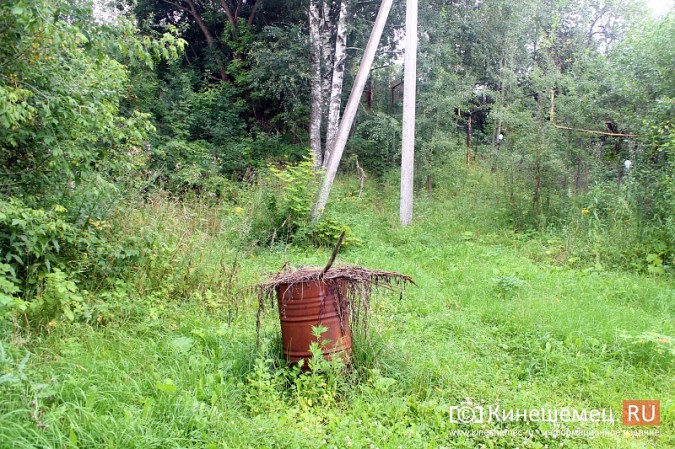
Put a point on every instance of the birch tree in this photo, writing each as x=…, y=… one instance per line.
x=339, y=58
x=328, y=28
x=351, y=108
x=316, y=83
x=327, y=73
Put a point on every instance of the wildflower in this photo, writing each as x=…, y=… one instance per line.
x=585, y=211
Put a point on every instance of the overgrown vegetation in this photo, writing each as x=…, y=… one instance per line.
x=173, y=359
x=154, y=166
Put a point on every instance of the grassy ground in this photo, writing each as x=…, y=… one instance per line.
x=176, y=366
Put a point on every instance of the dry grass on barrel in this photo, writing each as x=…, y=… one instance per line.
x=353, y=285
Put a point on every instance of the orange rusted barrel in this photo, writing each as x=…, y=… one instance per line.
x=313, y=303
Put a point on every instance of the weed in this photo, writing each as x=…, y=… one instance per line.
x=651, y=349
x=508, y=286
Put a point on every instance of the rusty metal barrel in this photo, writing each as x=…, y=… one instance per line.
x=313, y=303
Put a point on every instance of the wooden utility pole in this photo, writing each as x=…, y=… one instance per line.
x=409, y=91
x=350, y=109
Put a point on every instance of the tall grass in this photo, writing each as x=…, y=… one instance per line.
x=495, y=320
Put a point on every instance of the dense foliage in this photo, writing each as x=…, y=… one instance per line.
x=200, y=95
x=67, y=145
x=155, y=161
x=96, y=108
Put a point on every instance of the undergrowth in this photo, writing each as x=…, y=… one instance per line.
x=157, y=349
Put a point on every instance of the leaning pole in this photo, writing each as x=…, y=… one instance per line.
x=408, y=134
x=350, y=109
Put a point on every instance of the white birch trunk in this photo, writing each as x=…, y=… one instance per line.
x=316, y=83
x=351, y=108
x=409, y=91
x=338, y=77
x=327, y=30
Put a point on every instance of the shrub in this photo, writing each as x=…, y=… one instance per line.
x=377, y=142
x=9, y=302
x=34, y=242
x=57, y=296
x=187, y=167
x=285, y=216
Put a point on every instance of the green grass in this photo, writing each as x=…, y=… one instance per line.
x=488, y=323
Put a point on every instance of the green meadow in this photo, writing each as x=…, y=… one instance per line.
x=497, y=319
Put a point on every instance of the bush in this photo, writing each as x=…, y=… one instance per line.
x=43, y=255
x=377, y=141
x=9, y=301
x=187, y=167
x=608, y=226
x=34, y=242
x=57, y=296
x=286, y=205
x=289, y=192
x=281, y=212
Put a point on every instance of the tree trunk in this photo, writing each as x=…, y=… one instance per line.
x=232, y=13
x=409, y=91
x=577, y=178
x=502, y=90
x=231, y=17
x=551, y=113
x=327, y=27
x=338, y=77
x=393, y=93
x=317, y=97
x=191, y=9
x=430, y=186
x=498, y=144
x=362, y=176
x=538, y=163
x=251, y=15
x=351, y=108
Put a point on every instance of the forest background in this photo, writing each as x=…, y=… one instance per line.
x=160, y=155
